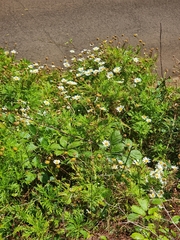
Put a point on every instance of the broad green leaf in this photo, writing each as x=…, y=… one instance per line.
x=143, y=203
x=128, y=143
x=43, y=177
x=11, y=118
x=32, y=129
x=74, y=144
x=136, y=154
x=63, y=142
x=153, y=210
x=44, y=142
x=118, y=148
x=176, y=219
x=58, y=152
x=55, y=146
x=31, y=147
x=137, y=236
x=138, y=210
x=116, y=138
x=36, y=162
x=157, y=201
x=133, y=217
x=24, y=135
x=30, y=177
x=73, y=153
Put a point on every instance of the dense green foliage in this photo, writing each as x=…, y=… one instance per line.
x=90, y=143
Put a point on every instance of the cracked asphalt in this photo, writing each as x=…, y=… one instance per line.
x=40, y=29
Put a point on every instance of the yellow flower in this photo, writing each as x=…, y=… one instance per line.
x=47, y=162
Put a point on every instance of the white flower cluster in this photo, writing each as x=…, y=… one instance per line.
x=148, y=120
x=34, y=68
x=158, y=173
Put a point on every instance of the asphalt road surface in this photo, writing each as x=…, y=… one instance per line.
x=42, y=28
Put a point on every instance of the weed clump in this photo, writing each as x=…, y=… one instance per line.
x=90, y=143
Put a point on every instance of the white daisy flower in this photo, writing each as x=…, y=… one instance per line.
x=106, y=143
x=76, y=97
x=66, y=64
x=117, y=69
x=174, y=168
x=34, y=71
x=109, y=75
x=81, y=69
x=14, y=52
x=114, y=167
x=79, y=74
x=47, y=103
x=137, y=80
x=81, y=59
x=136, y=60
x=97, y=60
x=88, y=72
x=31, y=66
x=6, y=53
x=71, y=83
x=152, y=194
x=103, y=109
x=148, y=120
x=102, y=68
x=101, y=63
x=144, y=117
x=56, y=161
x=16, y=78
x=120, y=108
x=61, y=88
x=95, y=48
x=146, y=160
x=96, y=71
x=160, y=194
x=63, y=80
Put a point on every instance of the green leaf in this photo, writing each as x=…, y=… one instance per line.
x=138, y=210
x=163, y=237
x=32, y=129
x=73, y=153
x=36, y=162
x=176, y=219
x=128, y=143
x=143, y=203
x=116, y=138
x=153, y=210
x=103, y=238
x=30, y=177
x=55, y=146
x=116, y=149
x=58, y=152
x=157, y=201
x=31, y=147
x=44, y=142
x=43, y=177
x=85, y=234
x=11, y=118
x=136, y=154
x=74, y=144
x=133, y=217
x=137, y=236
x=63, y=142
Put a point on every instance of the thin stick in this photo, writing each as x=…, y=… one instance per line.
x=162, y=75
